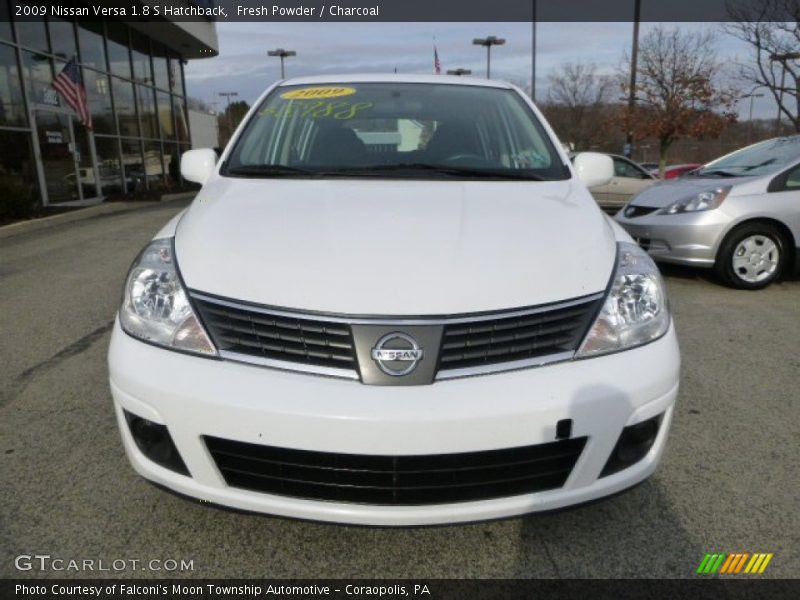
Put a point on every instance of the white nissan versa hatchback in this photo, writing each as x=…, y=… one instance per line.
x=394, y=302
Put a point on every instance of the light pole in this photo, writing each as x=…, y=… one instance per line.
x=782, y=58
x=282, y=54
x=628, y=150
x=750, y=115
x=459, y=72
x=489, y=42
x=533, y=51
x=228, y=110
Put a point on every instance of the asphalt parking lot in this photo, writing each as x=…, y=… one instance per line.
x=728, y=483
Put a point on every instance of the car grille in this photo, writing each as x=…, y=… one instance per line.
x=483, y=343
x=395, y=480
x=277, y=337
x=638, y=211
x=516, y=338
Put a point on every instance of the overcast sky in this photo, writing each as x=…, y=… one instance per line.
x=243, y=65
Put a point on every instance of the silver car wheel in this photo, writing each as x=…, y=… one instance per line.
x=755, y=258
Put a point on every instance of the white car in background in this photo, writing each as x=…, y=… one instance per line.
x=439, y=329
x=629, y=179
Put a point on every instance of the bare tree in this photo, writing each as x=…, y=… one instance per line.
x=576, y=99
x=677, y=93
x=772, y=29
x=578, y=85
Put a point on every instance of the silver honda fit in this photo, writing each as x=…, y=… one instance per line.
x=739, y=214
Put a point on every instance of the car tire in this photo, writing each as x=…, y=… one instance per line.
x=751, y=256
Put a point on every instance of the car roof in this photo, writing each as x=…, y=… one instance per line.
x=395, y=78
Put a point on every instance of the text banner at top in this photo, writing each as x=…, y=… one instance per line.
x=402, y=10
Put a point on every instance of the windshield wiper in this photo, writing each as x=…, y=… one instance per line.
x=270, y=171
x=712, y=173
x=724, y=173
x=769, y=161
x=455, y=171
x=402, y=169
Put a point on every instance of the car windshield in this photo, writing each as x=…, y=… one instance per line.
x=759, y=159
x=395, y=130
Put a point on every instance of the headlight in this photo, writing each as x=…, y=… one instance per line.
x=635, y=311
x=155, y=307
x=702, y=201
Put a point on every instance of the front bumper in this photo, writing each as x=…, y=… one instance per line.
x=686, y=239
x=197, y=397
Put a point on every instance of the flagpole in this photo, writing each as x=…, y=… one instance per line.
x=533, y=52
x=98, y=186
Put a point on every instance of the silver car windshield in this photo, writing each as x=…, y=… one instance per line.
x=759, y=159
x=395, y=130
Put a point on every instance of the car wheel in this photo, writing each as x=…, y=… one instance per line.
x=752, y=256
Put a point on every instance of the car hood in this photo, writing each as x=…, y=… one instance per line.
x=394, y=247
x=666, y=192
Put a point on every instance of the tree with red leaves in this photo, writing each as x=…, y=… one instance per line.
x=677, y=95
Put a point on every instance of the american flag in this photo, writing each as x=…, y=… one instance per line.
x=69, y=84
x=437, y=66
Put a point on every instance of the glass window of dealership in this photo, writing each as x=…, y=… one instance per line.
x=136, y=93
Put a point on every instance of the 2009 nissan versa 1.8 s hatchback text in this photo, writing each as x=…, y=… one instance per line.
x=393, y=302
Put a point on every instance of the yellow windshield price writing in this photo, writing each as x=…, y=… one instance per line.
x=315, y=93
x=317, y=110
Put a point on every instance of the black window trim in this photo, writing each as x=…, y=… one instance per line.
x=643, y=174
x=778, y=183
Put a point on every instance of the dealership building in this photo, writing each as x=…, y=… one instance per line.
x=136, y=92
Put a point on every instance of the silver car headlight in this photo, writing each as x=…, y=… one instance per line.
x=635, y=310
x=707, y=200
x=155, y=307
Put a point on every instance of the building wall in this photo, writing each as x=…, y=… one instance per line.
x=196, y=39
x=204, y=128
x=136, y=92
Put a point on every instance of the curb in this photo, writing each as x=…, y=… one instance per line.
x=82, y=214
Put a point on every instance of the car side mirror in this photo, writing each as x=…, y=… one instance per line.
x=198, y=165
x=593, y=168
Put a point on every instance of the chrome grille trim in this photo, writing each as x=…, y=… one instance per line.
x=515, y=365
x=283, y=365
x=442, y=374
x=388, y=320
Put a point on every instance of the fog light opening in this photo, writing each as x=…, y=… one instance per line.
x=633, y=445
x=154, y=441
x=564, y=429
